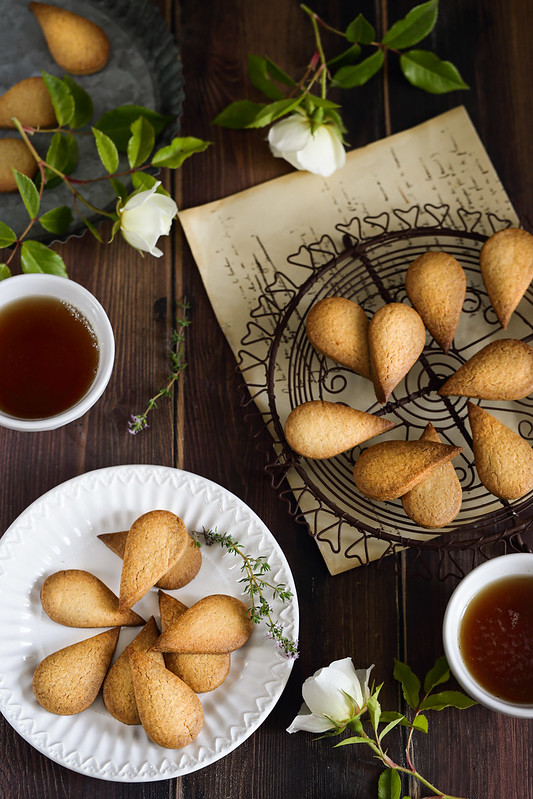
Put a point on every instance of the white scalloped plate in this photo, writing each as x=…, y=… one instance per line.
x=59, y=531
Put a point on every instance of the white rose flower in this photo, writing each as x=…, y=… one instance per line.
x=332, y=696
x=146, y=216
x=320, y=152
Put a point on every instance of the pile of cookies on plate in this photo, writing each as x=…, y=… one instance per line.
x=384, y=349
x=156, y=680
x=77, y=45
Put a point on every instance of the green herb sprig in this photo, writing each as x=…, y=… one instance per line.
x=389, y=785
x=256, y=585
x=139, y=421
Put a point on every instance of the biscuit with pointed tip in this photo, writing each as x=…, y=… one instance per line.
x=436, y=285
x=396, y=338
x=320, y=429
x=155, y=542
x=338, y=329
x=504, y=460
x=506, y=262
x=77, y=44
x=502, y=370
x=170, y=712
x=29, y=101
x=117, y=690
x=217, y=623
x=77, y=598
x=202, y=672
x=436, y=501
x=390, y=469
x=69, y=680
x=14, y=155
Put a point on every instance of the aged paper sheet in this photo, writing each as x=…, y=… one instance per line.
x=242, y=243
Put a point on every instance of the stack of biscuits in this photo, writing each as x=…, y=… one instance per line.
x=157, y=678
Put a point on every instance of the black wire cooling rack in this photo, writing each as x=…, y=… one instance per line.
x=283, y=370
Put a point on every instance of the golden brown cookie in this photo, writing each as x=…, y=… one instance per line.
x=396, y=338
x=201, y=672
x=14, y=155
x=338, y=328
x=184, y=570
x=506, y=263
x=321, y=429
x=78, y=45
x=156, y=540
x=504, y=460
x=217, y=623
x=29, y=101
x=68, y=681
x=390, y=469
x=436, y=501
x=436, y=285
x=170, y=711
x=77, y=598
x=502, y=370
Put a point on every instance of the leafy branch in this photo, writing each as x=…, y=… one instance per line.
x=139, y=421
x=256, y=585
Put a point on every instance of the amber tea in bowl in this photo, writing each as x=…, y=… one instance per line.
x=488, y=634
x=56, y=351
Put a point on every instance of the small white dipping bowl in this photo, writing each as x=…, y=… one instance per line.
x=40, y=285
x=478, y=579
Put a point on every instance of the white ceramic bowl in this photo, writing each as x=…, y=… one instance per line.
x=32, y=285
x=468, y=588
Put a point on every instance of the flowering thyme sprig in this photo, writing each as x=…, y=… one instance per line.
x=255, y=584
x=138, y=421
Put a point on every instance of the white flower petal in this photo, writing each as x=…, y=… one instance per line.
x=324, y=154
x=308, y=722
x=325, y=694
x=289, y=135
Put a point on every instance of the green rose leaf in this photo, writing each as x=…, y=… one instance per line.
x=438, y=674
x=61, y=98
x=409, y=682
x=426, y=71
x=239, y=114
x=83, y=105
x=5, y=271
x=360, y=30
x=119, y=188
x=346, y=58
x=107, y=150
x=274, y=111
x=117, y=123
x=374, y=710
x=355, y=739
x=37, y=257
x=63, y=155
x=390, y=726
x=89, y=225
x=447, y=699
x=276, y=73
x=260, y=78
x=57, y=220
x=7, y=236
x=143, y=181
x=28, y=192
x=389, y=784
x=358, y=75
x=420, y=723
x=178, y=150
x=141, y=142
x=418, y=23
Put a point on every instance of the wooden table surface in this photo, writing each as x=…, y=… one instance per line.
x=373, y=614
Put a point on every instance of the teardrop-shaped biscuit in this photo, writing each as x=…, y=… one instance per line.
x=502, y=370
x=201, y=672
x=436, y=501
x=155, y=542
x=320, y=429
x=77, y=44
x=506, y=263
x=170, y=711
x=504, y=460
x=387, y=470
x=68, y=681
x=29, y=101
x=338, y=328
x=184, y=570
x=14, y=155
x=217, y=623
x=436, y=285
x=117, y=690
x=396, y=338
x=77, y=598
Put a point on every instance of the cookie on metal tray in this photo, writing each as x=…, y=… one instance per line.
x=396, y=338
x=506, y=262
x=14, y=155
x=29, y=101
x=502, y=370
x=338, y=328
